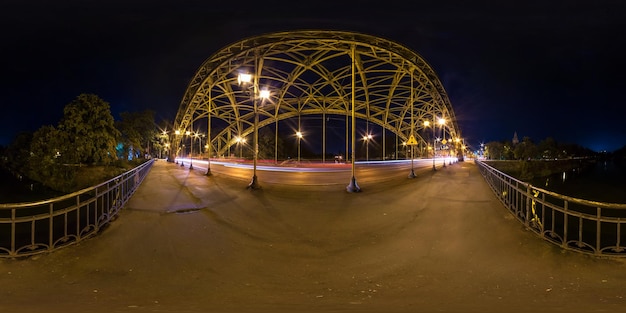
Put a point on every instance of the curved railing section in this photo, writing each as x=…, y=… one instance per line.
x=44, y=226
x=575, y=224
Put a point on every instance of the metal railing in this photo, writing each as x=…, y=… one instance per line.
x=575, y=224
x=44, y=226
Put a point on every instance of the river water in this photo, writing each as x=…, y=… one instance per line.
x=605, y=181
x=14, y=189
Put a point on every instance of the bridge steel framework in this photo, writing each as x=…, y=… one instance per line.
x=310, y=72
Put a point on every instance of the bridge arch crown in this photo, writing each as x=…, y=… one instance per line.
x=309, y=73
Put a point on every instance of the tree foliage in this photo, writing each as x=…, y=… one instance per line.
x=527, y=149
x=49, y=158
x=267, y=142
x=18, y=152
x=90, y=130
x=137, y=131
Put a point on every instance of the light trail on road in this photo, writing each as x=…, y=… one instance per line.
x=317, y=173
x=328, y=167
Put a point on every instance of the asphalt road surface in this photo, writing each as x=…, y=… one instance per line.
x=189, y=243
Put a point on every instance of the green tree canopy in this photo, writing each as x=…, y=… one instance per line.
x=49, y=158
x=137, y=131
x=90, y=130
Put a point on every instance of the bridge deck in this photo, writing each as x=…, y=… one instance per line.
x=188, y=243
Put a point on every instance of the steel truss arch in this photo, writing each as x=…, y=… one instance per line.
x=309, y=72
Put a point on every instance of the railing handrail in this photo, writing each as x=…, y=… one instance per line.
x=584, y=226
x=44, y=226
x=73, y=194
x=608, y=205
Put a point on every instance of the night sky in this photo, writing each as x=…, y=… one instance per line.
x=538, y=68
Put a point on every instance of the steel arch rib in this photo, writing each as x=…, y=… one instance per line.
x=306, y=71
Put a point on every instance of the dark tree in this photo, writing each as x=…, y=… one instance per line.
x=51, y=160
x=138, y=130
x=18, y=152
x=90, y=129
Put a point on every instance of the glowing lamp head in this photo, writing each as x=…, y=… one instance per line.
x=264, y=94
x=244, y=78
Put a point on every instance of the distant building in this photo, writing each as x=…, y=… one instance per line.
x=515, y=140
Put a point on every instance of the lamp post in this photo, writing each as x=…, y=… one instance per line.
x=188, y=134
x=367, y=139
x=411, y=138
x=256, y=93
x=353, y=187
x=299, y=135
x=161, y=139
x=442, y=122
x=177, y=133
x=199, y=137
x=240, y=142
x=427, y=124
x=457, y=145
x=406, y=149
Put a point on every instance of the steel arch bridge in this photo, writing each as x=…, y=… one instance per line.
x=310, y=72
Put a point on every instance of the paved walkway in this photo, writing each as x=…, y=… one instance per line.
x=438, y=243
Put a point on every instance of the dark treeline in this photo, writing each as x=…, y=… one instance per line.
x=87, y=146
x=526, y=149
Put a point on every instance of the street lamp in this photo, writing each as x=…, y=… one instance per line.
x=299, y=135
x=177, y=133
x=244, y=79
x=188, y=133
x=199, y=137
x=411, y=141
x=442, y=122
x=161, y=139
x=427, y=124
x=367, y=139
x=240, y=142
x=406, y=149
x=353, y=186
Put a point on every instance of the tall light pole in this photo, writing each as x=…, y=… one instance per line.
x=442, y=122
x=406, y=149
x=367, y=139
x=411, y=138
x=240, y=142
x=199, y=137
x=299, y=135
x=426, y=124
x=177, y=133
x=163, y=135
x=256, y=93
x=188, y=134
x=353, y=187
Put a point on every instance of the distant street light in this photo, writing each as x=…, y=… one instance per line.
x=406, y=149
x=177, y=133
x=427, y=124
x=367, y=139
x=240, y=142
x=299, y=135
x=442, y=122
x=188, y=133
